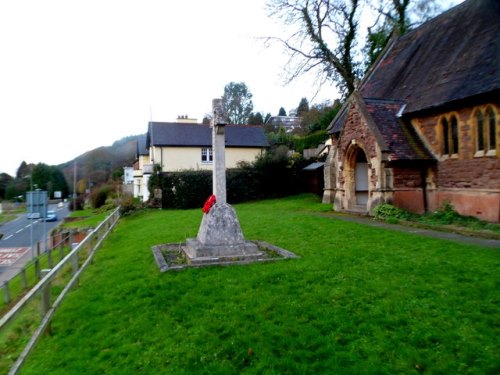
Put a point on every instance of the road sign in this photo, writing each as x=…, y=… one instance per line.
x=36, y=203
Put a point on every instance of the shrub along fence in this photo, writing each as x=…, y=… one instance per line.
x=75, y=262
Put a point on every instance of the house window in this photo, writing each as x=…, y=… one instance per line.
x=207, y=155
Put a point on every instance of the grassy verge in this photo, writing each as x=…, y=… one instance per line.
x=6, y=217
x=90, y=218
x=359, y=300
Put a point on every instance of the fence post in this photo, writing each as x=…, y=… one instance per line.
x=45, y=300
x=6, y=293
x=74, y=266
x=38, y=249
x=61, y=253
x=24, y=279
x=49, y=258
x=37, y=268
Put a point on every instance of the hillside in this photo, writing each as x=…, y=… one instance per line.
x=99, y=165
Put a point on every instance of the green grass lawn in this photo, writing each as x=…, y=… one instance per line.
x=360, y=300
x=90, y=218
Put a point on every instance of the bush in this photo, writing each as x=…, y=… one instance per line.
x=129, y=204
x=99, y=199
x=390, y=213
x=310, y=141
x=76, y=204
x=446, y=214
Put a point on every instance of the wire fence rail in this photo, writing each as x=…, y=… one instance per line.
x=76, y=260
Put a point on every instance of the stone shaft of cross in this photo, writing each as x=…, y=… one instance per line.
x=219, y=152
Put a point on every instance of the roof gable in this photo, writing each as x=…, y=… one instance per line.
x=141, y=146
x=399, y=139
x=452, y=57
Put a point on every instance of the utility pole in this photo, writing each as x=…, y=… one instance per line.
x=74, y=187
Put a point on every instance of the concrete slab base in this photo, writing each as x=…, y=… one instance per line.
x=173, y=256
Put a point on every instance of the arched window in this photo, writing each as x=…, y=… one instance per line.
x=491, y=132
x=449, y=136
x=446, y=140
x=454, y=134
x=486, y=131
x=479, y=131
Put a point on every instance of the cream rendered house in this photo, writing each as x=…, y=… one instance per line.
x=142, y=170
x=177, y=146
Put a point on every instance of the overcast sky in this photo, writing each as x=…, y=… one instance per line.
x=76, y=75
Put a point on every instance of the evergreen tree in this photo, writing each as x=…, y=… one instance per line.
x=303, y=107
x=255, y=119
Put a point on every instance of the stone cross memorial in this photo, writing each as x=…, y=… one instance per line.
x=220, y=233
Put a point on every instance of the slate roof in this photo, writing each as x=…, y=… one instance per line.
x=141, y=146
x=175, y=134
x=339, y=120
x=451, y=57
x=400, y=139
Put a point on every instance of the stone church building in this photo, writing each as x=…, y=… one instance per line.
x=423, y=127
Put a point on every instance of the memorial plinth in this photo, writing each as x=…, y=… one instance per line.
x=220, y=235
x=220, y=232
x=220, y=240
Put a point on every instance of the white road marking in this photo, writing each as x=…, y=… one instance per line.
x=6, y=238
x=8, y=256
x=20, y=230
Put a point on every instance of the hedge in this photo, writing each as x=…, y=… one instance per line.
x=270, y=176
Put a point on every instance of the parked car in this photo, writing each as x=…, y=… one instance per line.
x=51, y=216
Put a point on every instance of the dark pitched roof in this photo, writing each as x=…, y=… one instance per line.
x=339, y=120
x=197, y=135
x=400, y=140
x=452, y=57
x=141, y=146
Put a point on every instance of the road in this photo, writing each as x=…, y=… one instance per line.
x=20, y=234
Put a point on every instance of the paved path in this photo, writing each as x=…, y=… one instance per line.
x=495, y=244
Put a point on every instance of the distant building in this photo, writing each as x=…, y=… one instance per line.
x=128, y=180
x=128, y=175
x=142, y=170
x=289, y=123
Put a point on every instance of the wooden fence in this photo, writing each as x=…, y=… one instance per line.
x=79, y=258
x=30, y=273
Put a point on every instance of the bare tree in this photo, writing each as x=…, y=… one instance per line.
x=323, y=40
x=398, y=16
x=324, y=34
x=404, y=15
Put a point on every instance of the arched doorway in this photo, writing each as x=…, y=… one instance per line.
x=361, y=179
